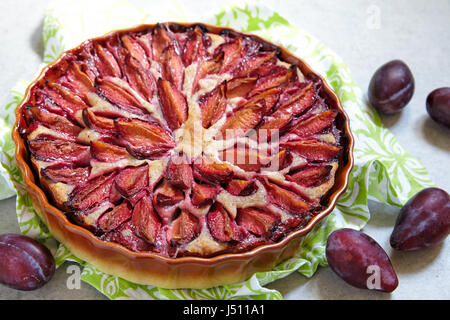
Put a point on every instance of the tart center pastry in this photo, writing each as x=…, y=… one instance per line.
x=182, y=142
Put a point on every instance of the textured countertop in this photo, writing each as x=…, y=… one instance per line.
x=366, y=34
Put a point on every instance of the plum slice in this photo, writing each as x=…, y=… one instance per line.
x=95, y=191
x=297, y=103
x=139, y=78
x=44, y=101
x=243, y=120
x=252, y=63
x=272, y=128
x=161, y=40
x=256, y=220
x=37, y=130
x=98, y=123
x=172, y=67
x=105, y=63
x=268, y=69
x=213, y=105
x=183, y=229
x=173, y=104
x=114, y=218
x=281, y=160
x=212, y=172
x=66, y=99
x=146, y=220
x=240, y=87
x=314, y=124
x=59, y=150
x=136, y=50
x=88, y=217
x=127, y=236
x=203, y=194
x=167, y=195
x=143, y=139
x=66, y=174
x=194, y=49
x=312, y=149
x=106, y=152
x=118, y=95
x=145, y=41
x=286, y=199
x=232, y=52
x=132, y=180
x=179, y=172
x=52, y=120
x=241, y=187
x=310, y=176
x=277, y=79
x=166, y=200
x=209, y=66
x=221, y=226
x=269, y=127
x=80, y=78
x=269, y=96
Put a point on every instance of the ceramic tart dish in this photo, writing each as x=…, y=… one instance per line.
x=182, y=155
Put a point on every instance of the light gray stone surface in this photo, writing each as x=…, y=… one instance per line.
x=415, y=31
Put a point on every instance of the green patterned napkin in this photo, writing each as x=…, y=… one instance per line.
x=383, y=170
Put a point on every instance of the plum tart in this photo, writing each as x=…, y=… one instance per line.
x=185, y=140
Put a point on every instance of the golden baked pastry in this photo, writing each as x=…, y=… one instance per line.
x=184, y=141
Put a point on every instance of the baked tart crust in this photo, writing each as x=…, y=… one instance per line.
x=182, y=143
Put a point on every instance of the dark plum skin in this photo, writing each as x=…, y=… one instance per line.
x=391, y=87
x=438, y=106
x=25, y=264
x=424, y=221
x=352, y=255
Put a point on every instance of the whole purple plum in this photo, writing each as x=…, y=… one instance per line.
x=424, y=221
x=25, y=264
x=360, y=261
x=391, y=87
